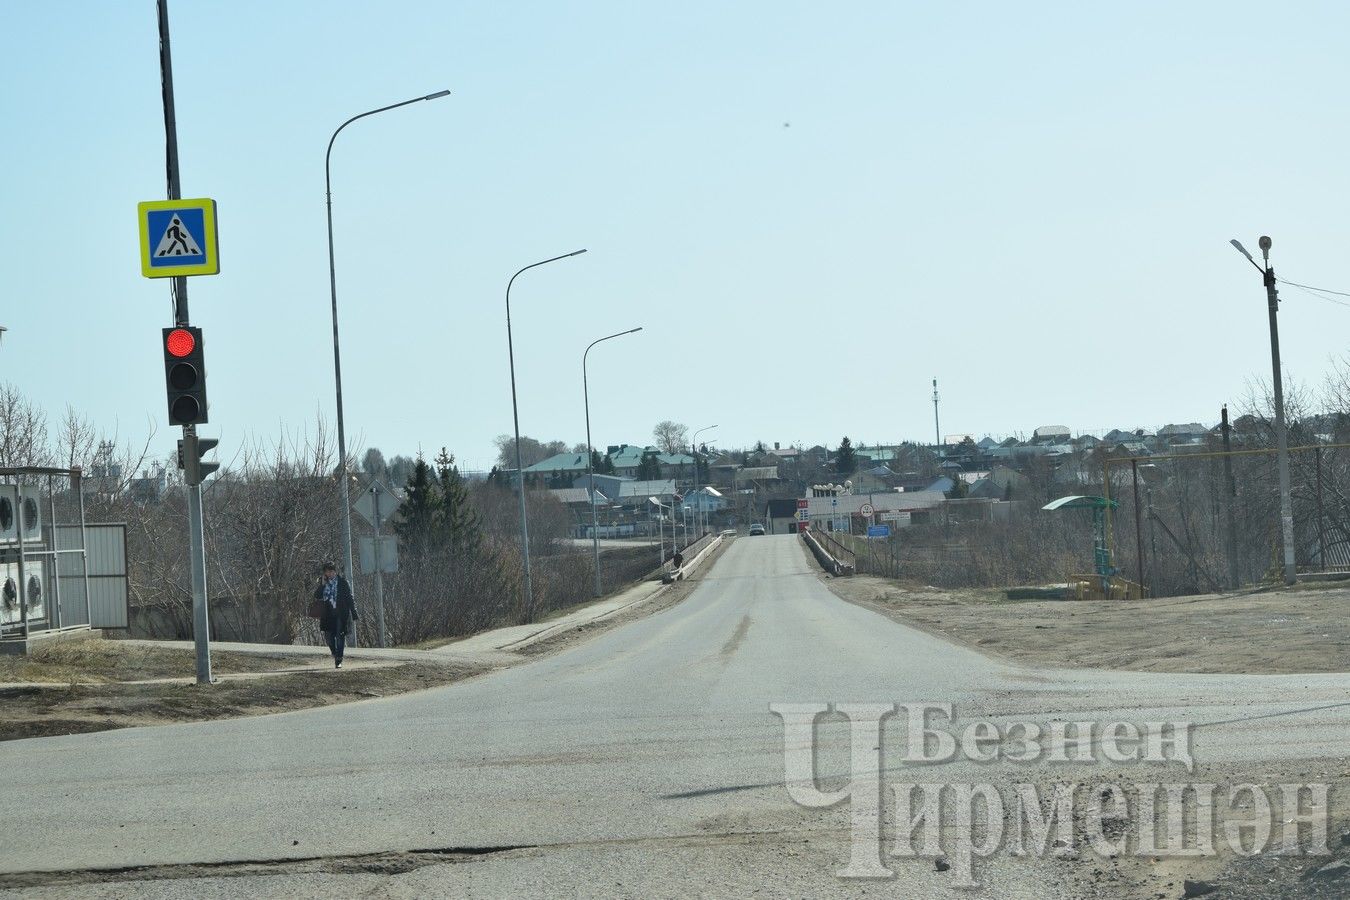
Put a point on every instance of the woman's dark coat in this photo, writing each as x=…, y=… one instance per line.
x=342, y=617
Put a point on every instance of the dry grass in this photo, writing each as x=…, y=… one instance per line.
x=1272, y=631
x=98, y=661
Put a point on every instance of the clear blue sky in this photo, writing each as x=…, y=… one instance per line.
x=1030, y=201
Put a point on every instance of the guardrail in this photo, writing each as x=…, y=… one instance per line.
x=824, y=549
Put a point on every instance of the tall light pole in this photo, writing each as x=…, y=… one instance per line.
x=348, y=568
x=528, y=599
x=693, y=445
x=590, y=470
x=1281, y=433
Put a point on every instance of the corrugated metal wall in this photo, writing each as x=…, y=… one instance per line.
x=106, y=549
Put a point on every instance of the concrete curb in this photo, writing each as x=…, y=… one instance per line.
x=658, y=589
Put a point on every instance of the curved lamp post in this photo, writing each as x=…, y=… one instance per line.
x=528, y=602
x=693, y=445
x=590, y=470
x=348, y=569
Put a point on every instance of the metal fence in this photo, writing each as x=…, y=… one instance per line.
x=1210, y=520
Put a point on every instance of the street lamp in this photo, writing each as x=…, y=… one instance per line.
x=693, y=445
x=1281, y=434
x=528, y=603
x=337, y=356
x=590, y=471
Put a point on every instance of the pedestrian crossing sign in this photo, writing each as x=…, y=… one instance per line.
x=178, y=237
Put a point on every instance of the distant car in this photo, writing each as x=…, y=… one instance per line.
x=756, y=529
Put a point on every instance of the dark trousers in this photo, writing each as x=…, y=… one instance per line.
x=337, y=642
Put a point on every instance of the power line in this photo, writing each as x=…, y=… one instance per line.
x=1309, y=287
x=1319, y=293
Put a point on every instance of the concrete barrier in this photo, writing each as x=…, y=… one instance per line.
x=670, y=576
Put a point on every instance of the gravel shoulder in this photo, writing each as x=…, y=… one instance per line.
x=1301, y=630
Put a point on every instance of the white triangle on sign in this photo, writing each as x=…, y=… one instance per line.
x=177, y=240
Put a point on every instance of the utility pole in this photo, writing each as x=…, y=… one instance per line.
x=201, y=625
x=1229, y=494
x=1281, y=432
x=937, y=429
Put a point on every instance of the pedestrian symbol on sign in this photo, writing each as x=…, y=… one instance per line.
x=177, y=241
x=178, y=237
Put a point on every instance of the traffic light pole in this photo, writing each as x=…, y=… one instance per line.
x=196, y=538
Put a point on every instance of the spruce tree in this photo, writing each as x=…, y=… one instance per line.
x=649, y=467
x=458, y=525
x=418, y=514
x=845, y=460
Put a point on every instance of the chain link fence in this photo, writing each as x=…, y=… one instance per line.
x=1210, y=521
x=1188, y=522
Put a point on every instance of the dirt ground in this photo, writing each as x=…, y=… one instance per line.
x=1300, y=630
x=70, y=687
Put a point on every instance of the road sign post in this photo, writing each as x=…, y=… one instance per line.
x=178, y=239
x=372, y=507
x=379, y=570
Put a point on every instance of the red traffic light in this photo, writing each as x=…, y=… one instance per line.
x=180, y=342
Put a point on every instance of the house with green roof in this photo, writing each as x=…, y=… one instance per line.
x=628, y=457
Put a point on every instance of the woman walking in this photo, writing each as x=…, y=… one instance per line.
x=339, y=610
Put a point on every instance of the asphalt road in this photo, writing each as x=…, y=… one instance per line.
x=644, y=762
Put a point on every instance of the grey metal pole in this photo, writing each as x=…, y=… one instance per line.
x=937, y=429
x=54, y=605
x=693, y=445
x=349, y=569
x=23, y=572
x=590, y=451
x=201, y=624
x=1281, y=432
x=379, y=571
x=196, y=535
x=84, y=548
x=527, y=600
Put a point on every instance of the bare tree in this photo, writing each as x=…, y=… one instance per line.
x=372, y=462
x=531, y=450
x=671, y=437
x=23, y=430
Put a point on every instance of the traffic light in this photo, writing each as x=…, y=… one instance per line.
x=191, y=449
x=185, y=375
